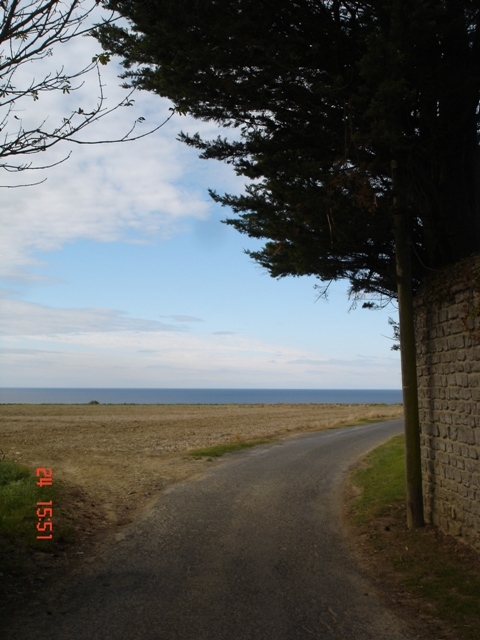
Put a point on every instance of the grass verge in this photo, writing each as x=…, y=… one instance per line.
x=432, y=573
x=19, y=495
x=220, y=449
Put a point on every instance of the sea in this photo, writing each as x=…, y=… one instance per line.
x=200, y=396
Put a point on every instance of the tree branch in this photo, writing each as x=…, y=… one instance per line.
x=28, y=31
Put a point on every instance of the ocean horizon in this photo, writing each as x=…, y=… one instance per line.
x=20, y=395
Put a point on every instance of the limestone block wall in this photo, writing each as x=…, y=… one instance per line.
x=448, y=367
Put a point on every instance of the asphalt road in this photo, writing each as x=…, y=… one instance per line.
x=253, y=550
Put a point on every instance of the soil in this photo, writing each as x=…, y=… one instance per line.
x=111, y=462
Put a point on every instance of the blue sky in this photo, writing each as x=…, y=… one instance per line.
x=117, y=272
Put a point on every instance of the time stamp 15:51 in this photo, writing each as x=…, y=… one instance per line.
x=44, y=509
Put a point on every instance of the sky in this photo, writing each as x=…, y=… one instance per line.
x=117, y=272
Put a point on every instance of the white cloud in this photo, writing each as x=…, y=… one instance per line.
x=134, y=191
x=186, y=319
x=359, y=360
x=102, y=196
x=138, y=358
x=19, y=318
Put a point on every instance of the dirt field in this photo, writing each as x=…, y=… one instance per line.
x=114, y=460
x=111, y=462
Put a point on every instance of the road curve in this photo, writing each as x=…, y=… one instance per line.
x=251, y=551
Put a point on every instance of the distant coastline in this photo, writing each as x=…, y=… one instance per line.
x=199, y=396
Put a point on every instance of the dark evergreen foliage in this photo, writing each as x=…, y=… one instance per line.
x=324, y=95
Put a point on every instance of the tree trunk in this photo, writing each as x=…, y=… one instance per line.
x=414, y=496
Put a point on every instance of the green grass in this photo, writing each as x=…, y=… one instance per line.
x=220, y=449
x=382, y=480
x=436, y=569
x=19, y=495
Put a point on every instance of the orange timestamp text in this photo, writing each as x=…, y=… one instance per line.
x=44, y=509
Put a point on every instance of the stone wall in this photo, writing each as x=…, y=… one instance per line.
x=448, y=365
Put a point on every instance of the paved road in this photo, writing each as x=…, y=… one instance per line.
x=251, y=551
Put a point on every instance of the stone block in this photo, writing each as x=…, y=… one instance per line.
x=461, y=379
x=466, y=435
x=443, y=431
x=462, y=491
x=472, y=465
x=459, y=326
x=453, y=313
x=451, y=381
x=465, y=394
x=442, y=315
x=431, y=429
x=443, y=457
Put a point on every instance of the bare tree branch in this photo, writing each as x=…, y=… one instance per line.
x=20, y=186
x=29, y=29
